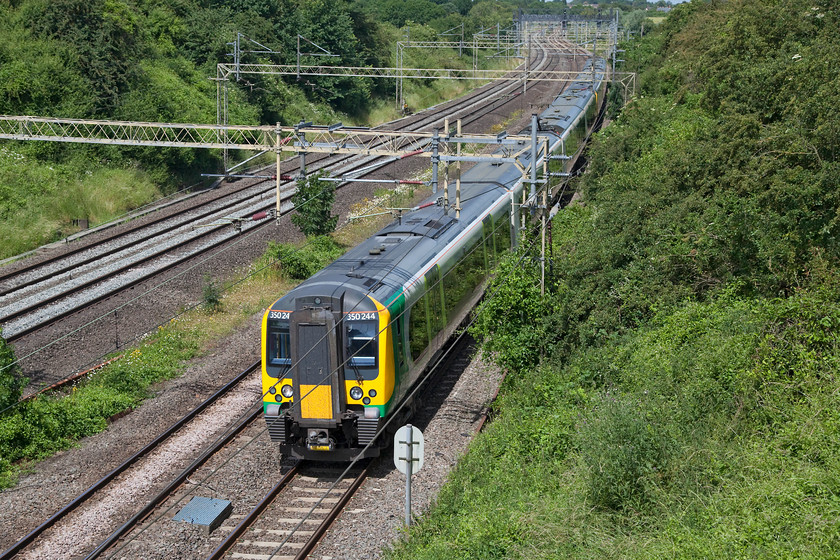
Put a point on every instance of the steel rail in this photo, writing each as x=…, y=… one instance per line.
x=333, y=514
x=94, y=281
x=172, y=486
x=84, y=496
x=254, y=514
x=116, y=235
x=28, y=330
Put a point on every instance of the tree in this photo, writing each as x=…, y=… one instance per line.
x=330, y=26
x=313, y=202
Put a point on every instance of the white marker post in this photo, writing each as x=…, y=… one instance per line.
x=408, y=458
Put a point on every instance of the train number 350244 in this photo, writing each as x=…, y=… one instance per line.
x=368, y=316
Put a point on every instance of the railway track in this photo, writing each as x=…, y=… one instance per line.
x=99, y=490
x=288, y=522
x=291, y=519
x=55, y=291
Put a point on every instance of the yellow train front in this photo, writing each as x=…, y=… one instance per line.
x=328, y=371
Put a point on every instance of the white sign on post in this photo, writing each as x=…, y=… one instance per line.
x=408, y=457
x=401, y=446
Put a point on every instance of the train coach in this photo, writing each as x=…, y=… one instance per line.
x=342, y=350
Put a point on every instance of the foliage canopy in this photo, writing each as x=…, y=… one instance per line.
x=683, y=402
x=313, y=202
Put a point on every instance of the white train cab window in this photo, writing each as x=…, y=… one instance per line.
x=361, y=343
x=280, y=347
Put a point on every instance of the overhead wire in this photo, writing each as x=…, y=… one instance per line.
x=233, y=244
x=408, y=398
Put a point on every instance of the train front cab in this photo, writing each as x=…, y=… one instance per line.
x=325, y=380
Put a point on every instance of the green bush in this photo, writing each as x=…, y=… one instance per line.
x=37, y=428
x=519, y=341
x=313, y=202
x=623, y=451
x=211, y=295
x=711, y=432
x=11, y=383
x=299, y=263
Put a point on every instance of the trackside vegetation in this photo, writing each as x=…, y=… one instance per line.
x=676, y=393
x=10, y=379
x=313, y=200
x=151, y=61
x=35, y=429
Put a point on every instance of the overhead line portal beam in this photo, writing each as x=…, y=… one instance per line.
x=369, y=72
x=297, y=139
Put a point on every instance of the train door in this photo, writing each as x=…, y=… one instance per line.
x=315, y=368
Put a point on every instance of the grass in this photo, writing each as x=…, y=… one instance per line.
x=39, y=201
x=710, y=433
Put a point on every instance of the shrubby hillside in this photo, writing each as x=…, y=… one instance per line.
x=149, y=61
x=676, y=393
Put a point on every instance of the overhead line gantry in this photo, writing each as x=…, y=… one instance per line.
x=306, y=138
x=302, y=139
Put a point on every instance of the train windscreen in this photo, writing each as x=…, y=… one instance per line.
x=361, y=343
x=279, y=346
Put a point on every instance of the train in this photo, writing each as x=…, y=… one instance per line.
x=342, y=351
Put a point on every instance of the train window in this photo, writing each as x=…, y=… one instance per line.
x=279, y=346
x=418, y=327
x=502, y=234
x=361, y=343
x=460, y=282
x=436, y=311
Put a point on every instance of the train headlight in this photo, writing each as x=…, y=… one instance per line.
x=286, y=391
x=372, y=393
x=272, y=389
x=356, y=393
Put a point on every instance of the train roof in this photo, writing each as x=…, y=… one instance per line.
x=381, y=265
x=562, y=112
